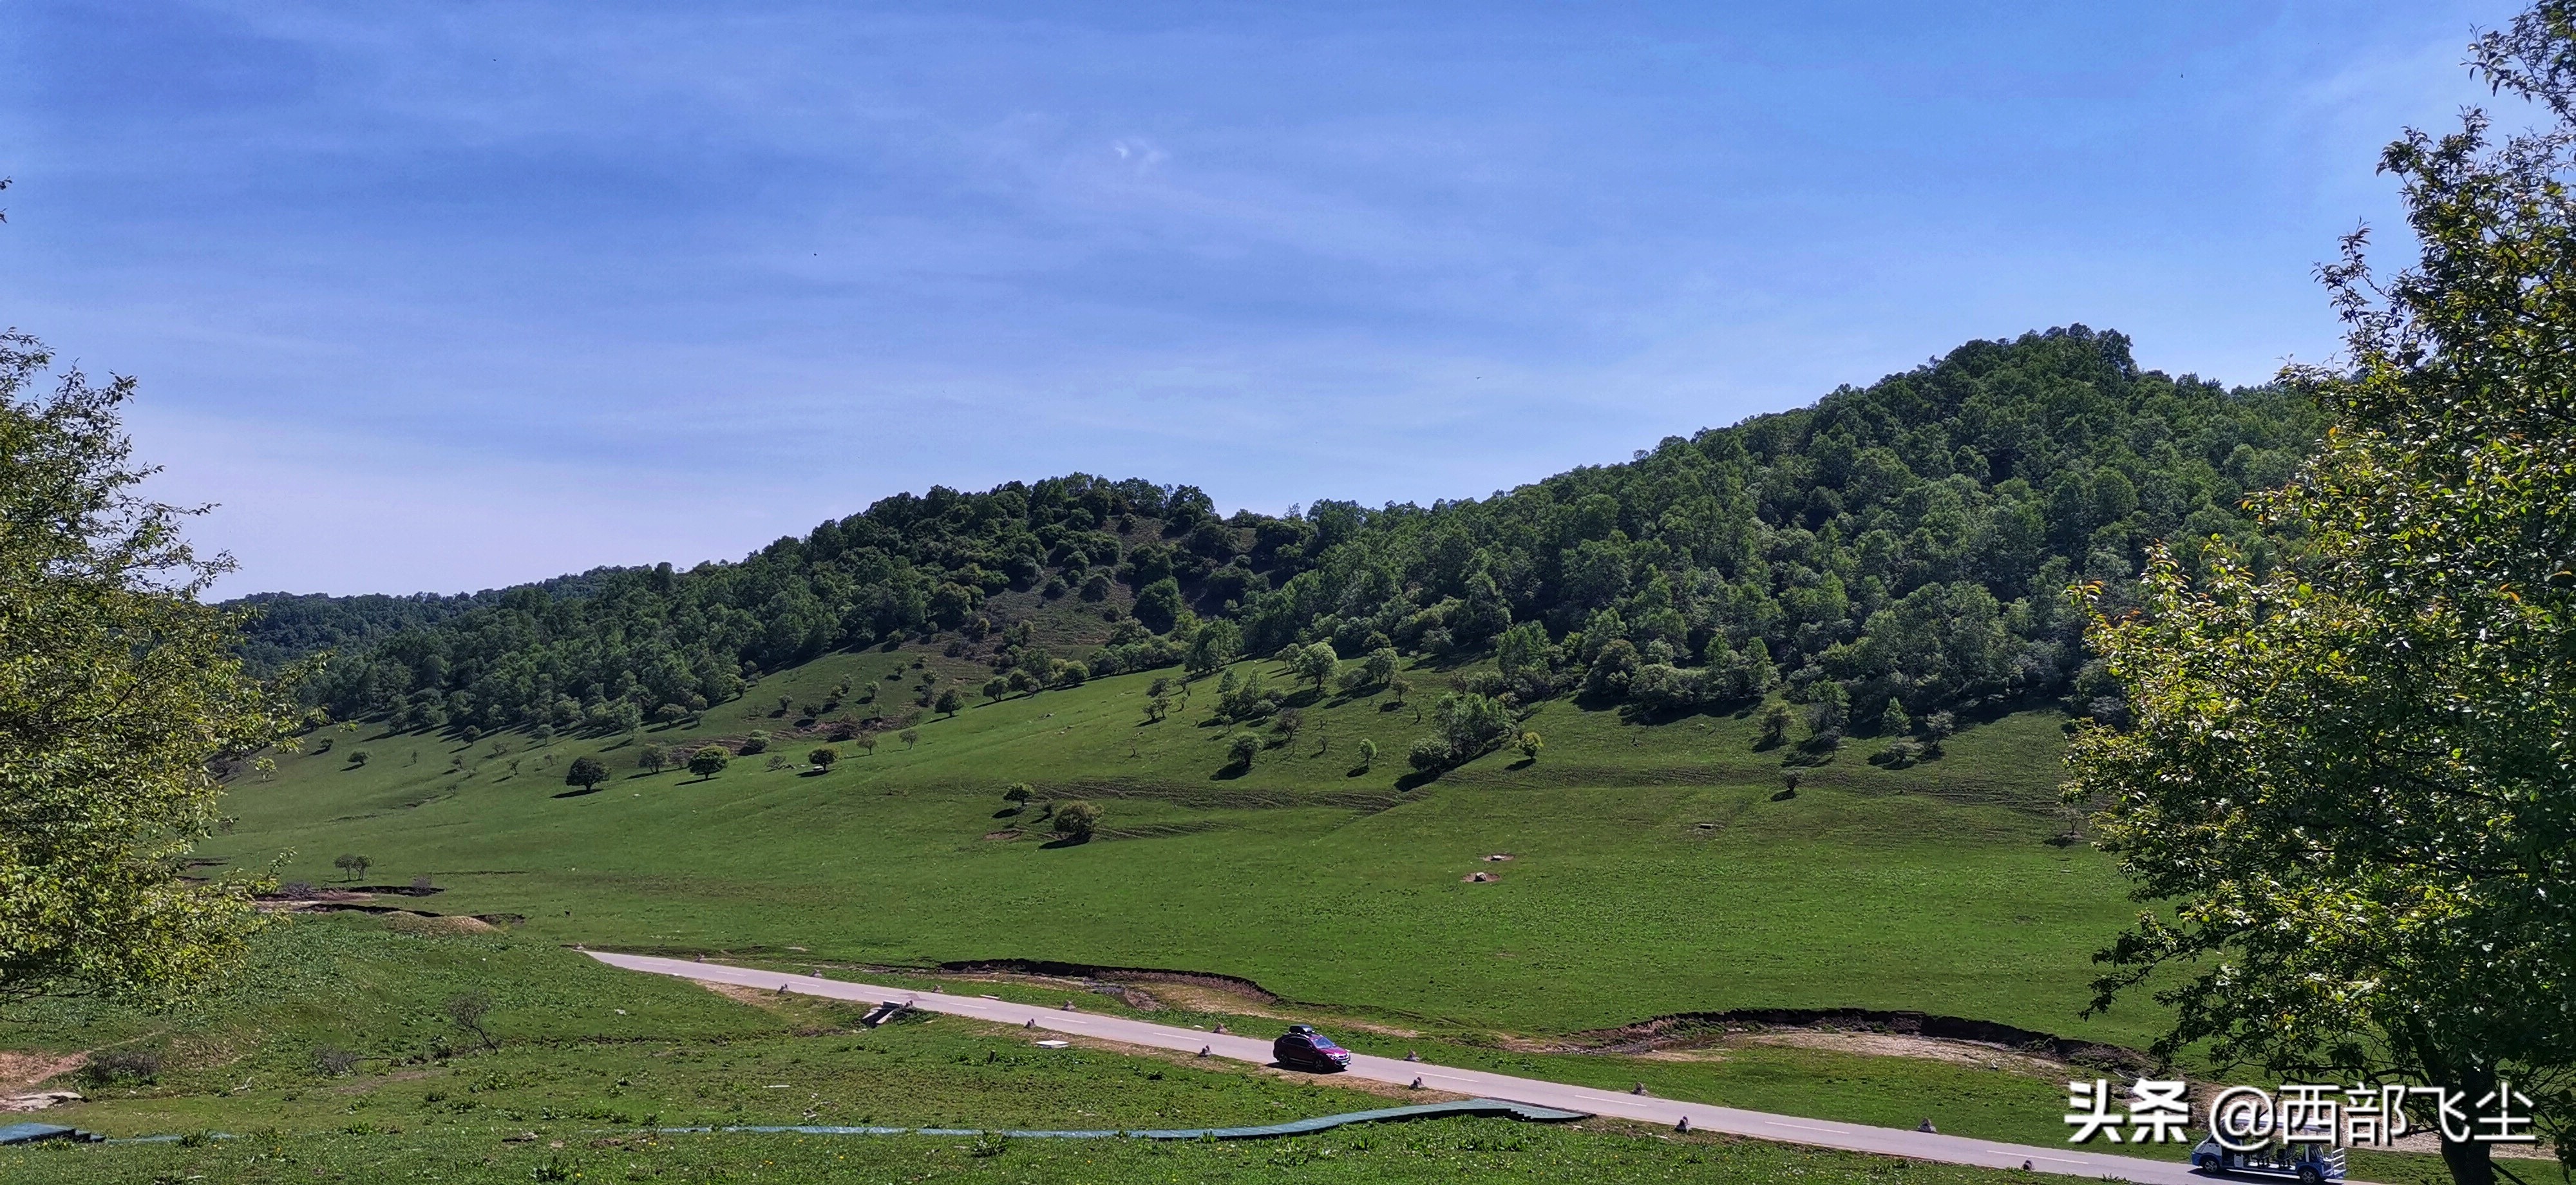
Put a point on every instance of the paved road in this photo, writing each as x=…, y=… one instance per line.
x=1756, y=1124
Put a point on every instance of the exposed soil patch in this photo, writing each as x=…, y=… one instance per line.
x=1965, y=1053
x=21, y=1070
x=432, y=923
x=1906, y=1034
x=1005, y=833
x=1482, y=878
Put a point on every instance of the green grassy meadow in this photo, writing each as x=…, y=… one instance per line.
x=1653, y=870
x=582, y=1059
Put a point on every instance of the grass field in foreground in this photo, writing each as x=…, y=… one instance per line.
x=584, y=1056
x=1653, y=869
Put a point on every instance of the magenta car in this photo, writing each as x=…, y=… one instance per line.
x=1302, y=1048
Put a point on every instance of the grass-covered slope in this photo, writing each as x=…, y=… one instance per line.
x=1654, y=869
x=580, y=1059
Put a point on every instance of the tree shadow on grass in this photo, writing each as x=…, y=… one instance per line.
x=1523, y=763
x=1067, y=841
x=577, y=792
x=1229, y=772
x=1417, y=779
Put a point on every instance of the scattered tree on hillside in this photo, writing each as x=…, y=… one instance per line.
x=1160, y=604
x=1072, y=674
x=1243, y=748
x=1398, y=688
x=1021, y=681
x=1314, y=663
x=1368, y=753
x=2342, y=787
x=1520, y=648
x=586, y=774
x=351, y=867
x=1077, y=820
x=652, y=759
x=1775, y=727
x=755, y=744
x=358, y=757
x=1157, y=706
x=1529, y=744
x=950, y=703
x=1019, y=794
x=823, y=757
x=868, y=742
x=709, y=761
x=909, y=737
x=120, y=694
x=1217, y=643
x=995, y=688
x=468, y=1010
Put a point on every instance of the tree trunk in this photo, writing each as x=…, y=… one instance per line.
x=2469, y=1163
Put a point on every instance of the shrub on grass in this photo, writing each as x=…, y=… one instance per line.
x=756, y=743
x=122, y=1065
x=468, y=1010
x=333, y=1062
x=1076, y=820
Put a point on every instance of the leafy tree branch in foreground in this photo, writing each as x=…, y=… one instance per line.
x=2349, y=790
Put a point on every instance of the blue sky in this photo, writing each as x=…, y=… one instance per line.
x=450, y=295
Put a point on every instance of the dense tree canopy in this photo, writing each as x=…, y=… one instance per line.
x=1902, y=542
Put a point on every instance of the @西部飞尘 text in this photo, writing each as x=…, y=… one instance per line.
x=2246, y=1118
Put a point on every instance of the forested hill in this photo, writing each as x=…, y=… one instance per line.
x=292, y=625
x=1906, y=544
